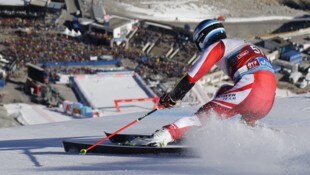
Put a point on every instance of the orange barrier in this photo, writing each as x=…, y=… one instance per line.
x=154, y=99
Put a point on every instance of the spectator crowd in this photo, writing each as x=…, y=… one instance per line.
x=46, y=43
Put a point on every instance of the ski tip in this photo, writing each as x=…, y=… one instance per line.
x=83, y=151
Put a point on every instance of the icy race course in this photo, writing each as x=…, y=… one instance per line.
x=244, y=150
x=223, y=146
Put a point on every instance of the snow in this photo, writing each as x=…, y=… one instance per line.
x=109, y=87
x=284, y=93
x=192, y=11
x=297, y=33
x=223, y=146
x=101, y=90
x=184, y=10
x=35, y=114
x=12, y=2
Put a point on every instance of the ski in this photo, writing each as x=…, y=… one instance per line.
x=108, y=147
x=124, y=138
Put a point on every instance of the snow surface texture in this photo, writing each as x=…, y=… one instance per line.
x=197, y=10
x=223, y=146
x=250, y=150
x=12, y=2
x=101, y=90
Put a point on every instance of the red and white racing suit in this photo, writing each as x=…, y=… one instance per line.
x=253, y=93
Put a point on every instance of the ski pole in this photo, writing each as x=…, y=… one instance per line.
x=84, y=151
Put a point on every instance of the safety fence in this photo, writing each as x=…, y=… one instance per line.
x=132, y=100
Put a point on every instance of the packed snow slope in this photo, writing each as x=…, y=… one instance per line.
x=197, y=10
x=222, y=146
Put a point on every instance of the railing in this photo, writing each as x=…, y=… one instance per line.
x=154, y=99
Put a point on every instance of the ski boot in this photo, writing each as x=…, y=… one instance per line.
x=160, y=138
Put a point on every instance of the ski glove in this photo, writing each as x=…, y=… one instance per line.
x=166, y=101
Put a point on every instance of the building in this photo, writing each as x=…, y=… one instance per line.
x=98, y=13
x=277, y=43
x=271, y=55
x=55, y=7
x=37, y=73
x=117, y=26
x=285, y=65
x=292, y=56
x=85, y=21
x=281, y=52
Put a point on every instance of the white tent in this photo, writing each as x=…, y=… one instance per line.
x=72, y=33
x=66, y=32
x=79, y=33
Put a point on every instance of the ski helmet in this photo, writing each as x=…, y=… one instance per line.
x=208, y=32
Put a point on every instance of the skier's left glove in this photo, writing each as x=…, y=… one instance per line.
x=166, y=101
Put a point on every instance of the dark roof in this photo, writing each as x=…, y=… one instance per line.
x=55, y=5
x=278, y=41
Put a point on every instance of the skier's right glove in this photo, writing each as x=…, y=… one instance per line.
x=166, y=101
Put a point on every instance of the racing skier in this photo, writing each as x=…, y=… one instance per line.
x=251, y=96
